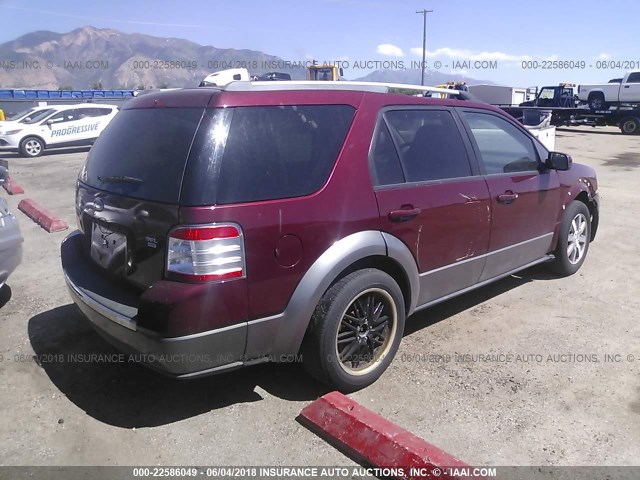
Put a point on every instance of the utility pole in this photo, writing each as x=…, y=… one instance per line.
x=424, y=41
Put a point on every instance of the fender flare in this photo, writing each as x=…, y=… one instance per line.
x=29, y=135
x=583, y=186
x=290, y=327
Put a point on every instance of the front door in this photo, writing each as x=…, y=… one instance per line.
x=525, y=198
x=63, y=128
x=630, y=91
x=430, y=197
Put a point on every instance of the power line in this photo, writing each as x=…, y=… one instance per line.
x=424, y=41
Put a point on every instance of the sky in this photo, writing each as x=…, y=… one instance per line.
x=519, y=44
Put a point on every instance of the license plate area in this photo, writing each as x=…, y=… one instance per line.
x=108, y=248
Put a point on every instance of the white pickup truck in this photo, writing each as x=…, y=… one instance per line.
x=600, y=97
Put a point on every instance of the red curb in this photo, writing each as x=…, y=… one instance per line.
x=12, y=187
x=42, y=216
x=371, y=439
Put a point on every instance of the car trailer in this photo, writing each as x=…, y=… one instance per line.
x=626, y=119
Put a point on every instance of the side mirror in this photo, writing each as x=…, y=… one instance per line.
x=558, y=161
x=49, y=122
x=4, y=174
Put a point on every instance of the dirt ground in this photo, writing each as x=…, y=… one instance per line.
x=557, y=384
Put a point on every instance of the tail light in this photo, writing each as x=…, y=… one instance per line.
x=206, y=253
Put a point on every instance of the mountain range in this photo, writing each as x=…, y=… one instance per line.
x=89, y=57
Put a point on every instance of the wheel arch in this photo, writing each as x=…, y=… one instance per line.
x=594, y=93
x=33, y=135
x=368, y=249
x=583, y=196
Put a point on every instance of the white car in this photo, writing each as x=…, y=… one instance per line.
x=56, y=126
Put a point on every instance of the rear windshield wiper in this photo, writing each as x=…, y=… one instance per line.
x=120, y=179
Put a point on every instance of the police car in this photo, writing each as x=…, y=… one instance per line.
x=56, y=126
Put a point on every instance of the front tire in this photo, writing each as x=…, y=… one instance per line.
x=31, y=147
x=355, y=330
x=573, y=239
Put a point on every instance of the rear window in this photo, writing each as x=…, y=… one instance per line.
x=142, y=153
x=248, y=154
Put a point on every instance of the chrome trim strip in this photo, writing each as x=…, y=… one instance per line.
x=544, y=259
x=208, y=371
x=265, y=319
x=199, y=334
x=112, y=315
x=484, y=255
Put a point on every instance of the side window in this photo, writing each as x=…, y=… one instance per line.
x=87, y=112
x=103, y=111
x=281, y=151
x=546, y=94
x=386, y=169
x=64, y=116
x=431, y=147
x=634, y=78
x=504, y=148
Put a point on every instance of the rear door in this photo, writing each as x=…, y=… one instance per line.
x=525, y=199
x=431, y=197
x=630, y=90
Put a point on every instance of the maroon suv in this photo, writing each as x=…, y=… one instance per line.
x=222, y=228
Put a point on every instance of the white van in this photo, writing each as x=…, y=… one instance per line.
x=56, y=126
x=224, y=77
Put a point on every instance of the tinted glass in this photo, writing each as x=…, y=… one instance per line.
x=634, y=78
x=87, y=112
x=36, y=117
x=263, y=153
x=20, y=115
x=150, y=147
x=547, y=93
x=64, y=116
x=431, y=147
x=386, y=169
x=504, y=148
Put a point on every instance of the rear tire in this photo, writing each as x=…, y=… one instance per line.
x=573, y=239
x=630, y=126
x=355, y=330
x=31, y=147
x=596, y=102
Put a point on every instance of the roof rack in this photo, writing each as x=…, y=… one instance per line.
x=379, y=87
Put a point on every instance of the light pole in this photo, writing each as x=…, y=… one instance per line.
x=424, y=41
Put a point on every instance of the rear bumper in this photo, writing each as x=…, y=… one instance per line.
x=10, y=247
x=113, y=312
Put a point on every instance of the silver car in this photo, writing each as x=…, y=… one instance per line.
x=10, y=237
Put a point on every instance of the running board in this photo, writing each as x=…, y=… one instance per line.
x=545, y=259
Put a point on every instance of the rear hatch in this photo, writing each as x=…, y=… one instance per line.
x=128, y=191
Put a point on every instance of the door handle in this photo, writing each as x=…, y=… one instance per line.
x=507, y=197
x=404, y=214
x=626, y=86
